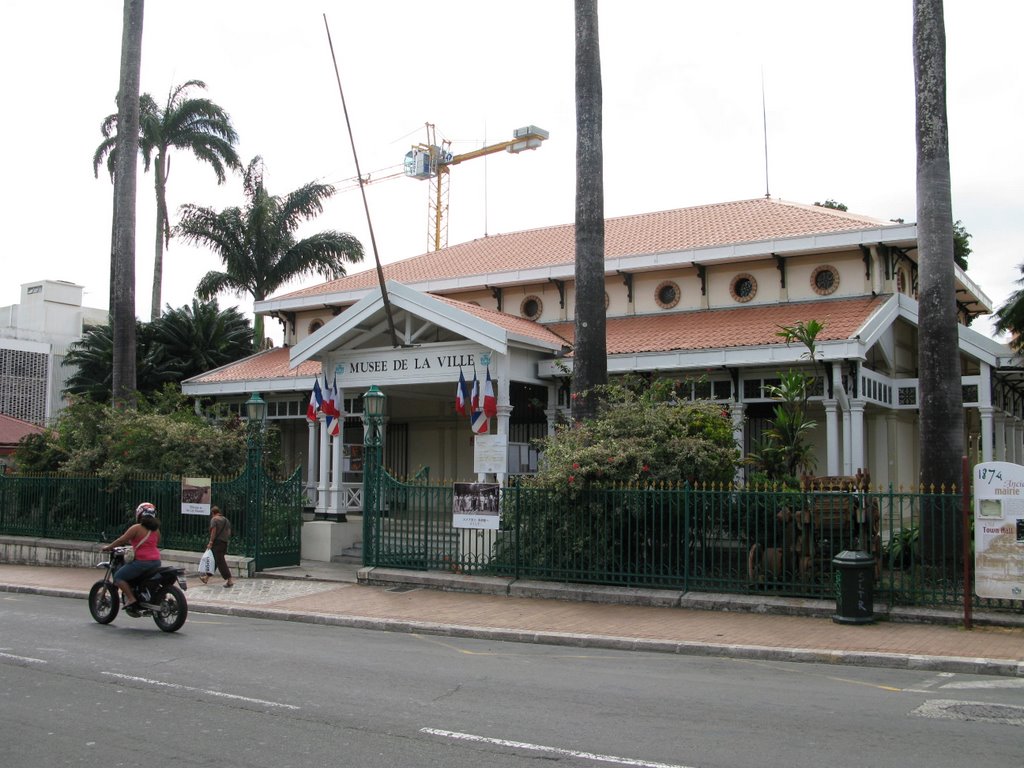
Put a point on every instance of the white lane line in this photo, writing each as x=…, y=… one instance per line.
x=999, y=682
x=22, y=658
x=205, y=691
x=549, y=750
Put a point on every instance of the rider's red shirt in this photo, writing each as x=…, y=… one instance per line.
x=148, y=549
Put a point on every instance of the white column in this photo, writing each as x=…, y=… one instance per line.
x=847, y=444
x=856, y=436
x=324, y=501
x=986, y=412
x=311, y=477
x=892, y=421
x=504, y=413
x=1000, y=431
x=1018, y=440
x=832, y=453
x=337, y=505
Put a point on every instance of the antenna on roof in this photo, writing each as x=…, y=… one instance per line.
x=362, y=189
x=764, y=124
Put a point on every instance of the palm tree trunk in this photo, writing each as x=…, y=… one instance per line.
x=122, y=290
x=161, y=235
x=590, y=357
x=941, y=401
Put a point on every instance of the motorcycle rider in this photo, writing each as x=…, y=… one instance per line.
x=144, y=537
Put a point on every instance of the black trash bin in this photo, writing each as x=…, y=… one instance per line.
x=855, y=587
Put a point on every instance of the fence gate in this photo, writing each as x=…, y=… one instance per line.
x=267, y=521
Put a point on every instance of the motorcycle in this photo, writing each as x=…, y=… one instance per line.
x=160, y=593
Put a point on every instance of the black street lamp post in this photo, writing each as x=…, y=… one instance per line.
x=256, y=413
x=373, y=440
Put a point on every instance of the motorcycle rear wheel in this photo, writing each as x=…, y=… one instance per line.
x=104, y=602
x=173, y=610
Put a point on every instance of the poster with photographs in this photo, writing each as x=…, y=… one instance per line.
x=999, y=530
x=196, y=493
x=475, y=505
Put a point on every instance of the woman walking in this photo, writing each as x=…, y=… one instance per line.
x=220, y=534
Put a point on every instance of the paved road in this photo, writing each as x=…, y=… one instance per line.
x=241, y=691
x=739, y=634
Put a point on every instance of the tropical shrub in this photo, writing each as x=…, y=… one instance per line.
x=608, y=497
x=162, y=436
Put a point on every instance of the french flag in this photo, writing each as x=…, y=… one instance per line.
x=462, y=396
x=330, y=406
x=490, y=407
x=316, y=401
x=479, y=422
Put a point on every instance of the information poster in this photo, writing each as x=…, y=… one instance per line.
x=999, y=530
x=490, y=454
x=196, y=493
x=475, y=505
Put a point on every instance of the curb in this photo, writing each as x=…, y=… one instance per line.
x=917, y=662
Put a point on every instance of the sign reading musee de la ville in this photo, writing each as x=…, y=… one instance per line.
x=422, y=364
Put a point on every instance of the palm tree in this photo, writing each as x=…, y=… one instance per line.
x=941, y=400
x=122, y=247
x=257, y=243
x=185, y=122
x=1010, y=316
x=200, y=337
x=179, y=344
x=590, y=357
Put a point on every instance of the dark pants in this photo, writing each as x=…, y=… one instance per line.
x=220, y=549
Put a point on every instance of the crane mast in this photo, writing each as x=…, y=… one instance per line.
x=433, y=160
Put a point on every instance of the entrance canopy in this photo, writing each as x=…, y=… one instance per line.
x=436, y=336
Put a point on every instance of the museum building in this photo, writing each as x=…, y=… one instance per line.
x=694, y=294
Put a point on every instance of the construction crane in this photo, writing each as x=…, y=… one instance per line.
x=434, y=159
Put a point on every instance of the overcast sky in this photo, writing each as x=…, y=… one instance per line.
x=683, y=121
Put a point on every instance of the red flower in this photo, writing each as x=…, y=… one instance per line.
x=572, y=478
x=645, y=468
x=575, y=465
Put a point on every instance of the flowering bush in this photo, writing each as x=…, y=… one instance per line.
x=162, y=436
x=642, y=438
x=599, y=505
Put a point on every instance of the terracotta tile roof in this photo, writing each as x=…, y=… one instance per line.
x=12, y=430
x=272, y=364
x=519, y=326
x=733, y=327
x=648, y=233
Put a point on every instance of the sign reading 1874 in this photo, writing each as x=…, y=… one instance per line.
x=999, y=530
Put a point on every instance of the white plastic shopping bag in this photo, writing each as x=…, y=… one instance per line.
x=206, y=563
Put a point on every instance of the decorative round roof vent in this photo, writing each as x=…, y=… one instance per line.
x=531, y=308
x=743, y=287
x=667, y=294
x=825, y=279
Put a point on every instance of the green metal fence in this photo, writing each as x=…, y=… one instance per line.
x=726, y=539
x=265, y=514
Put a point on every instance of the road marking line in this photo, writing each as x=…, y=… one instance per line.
x=1003, y=682
x=206, y=691
x=550, y=750
x=22, y=658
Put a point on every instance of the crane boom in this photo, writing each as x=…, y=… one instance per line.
x=432, y=161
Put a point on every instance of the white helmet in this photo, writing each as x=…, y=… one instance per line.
x=145, y=509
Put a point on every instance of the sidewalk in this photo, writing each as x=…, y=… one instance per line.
x=328, y=593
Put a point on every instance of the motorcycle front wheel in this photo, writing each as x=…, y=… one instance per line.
x=173, y=610
x=104, y=602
